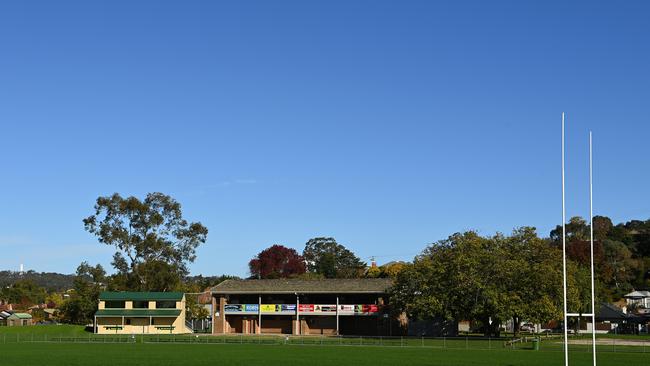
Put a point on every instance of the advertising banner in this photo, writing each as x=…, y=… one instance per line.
x=252, y=307
x=325, y=308
x=366, y=308
x=346, y=309
x=288, y=307
x=266, y=308
x=233, y=308
x=306, y=308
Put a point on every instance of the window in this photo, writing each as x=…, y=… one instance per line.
x=128, y=321
x=140, y=304
x=165, y=304
x=114, y=304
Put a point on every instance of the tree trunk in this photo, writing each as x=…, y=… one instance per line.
x=515, y=325
x=490, y=330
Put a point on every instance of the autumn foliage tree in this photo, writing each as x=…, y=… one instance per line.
x=277, y=261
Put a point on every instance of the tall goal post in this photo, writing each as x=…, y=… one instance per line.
x=591, y=250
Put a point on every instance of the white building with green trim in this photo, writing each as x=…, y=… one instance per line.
x=141, y=313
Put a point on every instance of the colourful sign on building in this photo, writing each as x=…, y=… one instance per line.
x=267, y=308
x=324, y=308
x=306, y=308
x=346, y=309
x=366, y=308
x=252, y=307
x=238, y=308
x=303, y=308
x=232, y=308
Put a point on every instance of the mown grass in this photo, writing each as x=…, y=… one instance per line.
x=144, y=354
x=73, y=345
x=72, y=330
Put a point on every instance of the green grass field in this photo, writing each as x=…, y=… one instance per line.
x=56, y=354
x=53, y=345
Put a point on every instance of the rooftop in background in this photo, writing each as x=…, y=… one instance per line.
x=141, y=296
x=638, y=294
x=290, y=286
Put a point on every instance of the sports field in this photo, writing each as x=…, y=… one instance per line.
x=69, y=345
x=56, y=354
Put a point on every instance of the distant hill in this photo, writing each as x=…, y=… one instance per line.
x=60, y=282
x=49, y=280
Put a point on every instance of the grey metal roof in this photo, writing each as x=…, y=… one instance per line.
x=291, y=286
x=613, y=313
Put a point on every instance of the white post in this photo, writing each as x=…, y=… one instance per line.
x=591, y=224
x=337, y=315
x=298, y=326
x=564, y=280
x=259, y=313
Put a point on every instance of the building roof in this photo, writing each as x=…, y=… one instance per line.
x=291, y=286
x=138, y=312
x=140, y=296
x=20, y=316
x=612, y=313
x=638, y=294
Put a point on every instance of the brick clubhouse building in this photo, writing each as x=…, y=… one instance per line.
x=301, y=307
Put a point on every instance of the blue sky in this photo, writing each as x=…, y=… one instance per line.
x=385, y=124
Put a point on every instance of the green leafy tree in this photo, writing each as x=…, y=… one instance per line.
x=392, y=269
x=446, y=280
x=621, y=268
x=530, y=276
x=82, y=304
x=332, y=260
x=618, y=253
x=602, y=227
x=154, y=242
x=23, y=293
x=576, y=229
x=489, y=280
x=195, y=310
x=373, y=272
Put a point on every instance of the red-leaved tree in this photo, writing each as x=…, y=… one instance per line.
x=277, y=261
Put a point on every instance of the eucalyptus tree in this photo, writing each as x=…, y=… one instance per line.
x=154, y=243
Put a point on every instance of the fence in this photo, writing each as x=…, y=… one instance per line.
x=577, y=344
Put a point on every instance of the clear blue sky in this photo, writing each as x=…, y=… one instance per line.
x=387, y=125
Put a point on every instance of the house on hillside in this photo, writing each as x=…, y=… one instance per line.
x=3, y=317
x=141, y=313
x=19, y=320
x=639, y=301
